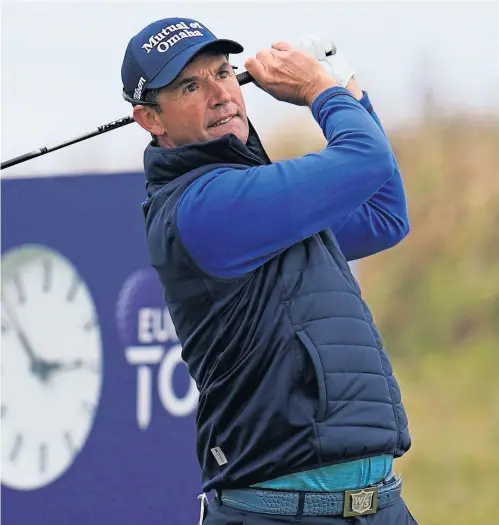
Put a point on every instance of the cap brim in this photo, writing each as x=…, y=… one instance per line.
x=172, y=69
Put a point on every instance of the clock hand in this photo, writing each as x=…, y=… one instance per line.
x=72, y=365
x=20, y=332
x=48, y=367
x=45, y=369
x=40, y=367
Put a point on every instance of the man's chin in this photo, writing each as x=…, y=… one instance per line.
x=235, y=126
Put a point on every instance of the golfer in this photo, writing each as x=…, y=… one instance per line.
x=300, y=416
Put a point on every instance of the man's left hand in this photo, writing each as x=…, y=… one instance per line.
x=335, y=63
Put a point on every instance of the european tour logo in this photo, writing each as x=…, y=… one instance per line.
x=158, y=41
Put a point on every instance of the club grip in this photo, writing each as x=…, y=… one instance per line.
x=244, y=78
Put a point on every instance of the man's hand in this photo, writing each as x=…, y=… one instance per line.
x=289, y=74
x=334, y=62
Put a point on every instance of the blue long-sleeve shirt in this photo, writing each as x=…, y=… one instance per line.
x=232, y=220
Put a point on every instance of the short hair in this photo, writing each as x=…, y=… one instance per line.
x=150, y=96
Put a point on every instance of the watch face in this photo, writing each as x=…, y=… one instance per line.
x=51, y=366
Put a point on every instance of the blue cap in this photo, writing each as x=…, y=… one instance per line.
x=157, y=55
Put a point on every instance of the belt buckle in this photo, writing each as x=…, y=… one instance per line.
x=360, y=502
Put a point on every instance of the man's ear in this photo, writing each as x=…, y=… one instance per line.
x=148, y=119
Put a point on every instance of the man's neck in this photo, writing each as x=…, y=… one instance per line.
x=163, y=141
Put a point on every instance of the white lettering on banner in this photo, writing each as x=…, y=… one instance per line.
x=144, y=357
x=156, y=41
x=155, y=325
x=176, y=406
x=138, y=90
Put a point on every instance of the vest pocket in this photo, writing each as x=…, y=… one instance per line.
x=319, y=373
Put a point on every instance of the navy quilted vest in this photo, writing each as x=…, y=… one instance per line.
x=291, y=370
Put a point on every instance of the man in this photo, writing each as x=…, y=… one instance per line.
x=299, y=416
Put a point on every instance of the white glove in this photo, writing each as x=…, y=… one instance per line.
x=319, y=45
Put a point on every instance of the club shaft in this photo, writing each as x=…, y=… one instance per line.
x=242, y=78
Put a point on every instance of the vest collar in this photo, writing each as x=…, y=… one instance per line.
x=163, y=165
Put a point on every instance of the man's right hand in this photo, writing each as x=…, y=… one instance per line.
x=289, y=74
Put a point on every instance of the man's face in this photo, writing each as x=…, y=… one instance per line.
x=204, y=95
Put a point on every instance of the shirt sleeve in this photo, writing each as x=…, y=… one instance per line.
x=234, y=220
x=379, y=223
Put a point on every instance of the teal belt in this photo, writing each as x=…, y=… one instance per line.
x=344, y=476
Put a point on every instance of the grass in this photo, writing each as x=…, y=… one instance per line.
x=451, y=473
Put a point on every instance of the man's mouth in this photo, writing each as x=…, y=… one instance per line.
x=221, y=122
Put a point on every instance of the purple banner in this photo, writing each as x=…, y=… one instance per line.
x=98, y=410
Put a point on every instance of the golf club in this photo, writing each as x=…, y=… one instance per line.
x=242, y=78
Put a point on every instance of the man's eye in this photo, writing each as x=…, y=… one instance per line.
x=225, y=73
x=190, y=88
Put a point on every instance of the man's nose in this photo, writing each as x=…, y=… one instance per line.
x=219, y=94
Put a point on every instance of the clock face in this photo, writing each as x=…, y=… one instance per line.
x=51, y=362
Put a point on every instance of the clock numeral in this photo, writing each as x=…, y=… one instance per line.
x=94, y=367
x=5, y=328
x=20, y=289
x=16, y=448
x=4, y=410
x=68, y=439
x=88, y=407
x=90, y=325
x=47, y=275
x=73, y=289
x=89, y=366
x=43, y=457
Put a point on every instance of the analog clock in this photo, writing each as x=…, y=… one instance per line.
x=51, y=366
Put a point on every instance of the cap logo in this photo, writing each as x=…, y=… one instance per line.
x=158, y=41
